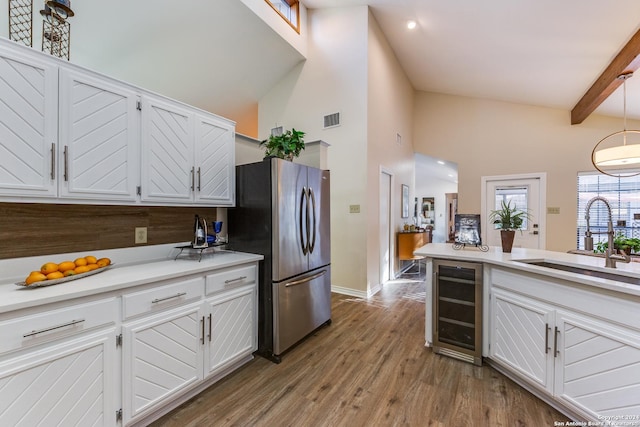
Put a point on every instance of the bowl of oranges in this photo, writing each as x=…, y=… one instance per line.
x=52, y=273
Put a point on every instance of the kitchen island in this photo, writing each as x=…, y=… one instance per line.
x=127, y=344
x=572, y=339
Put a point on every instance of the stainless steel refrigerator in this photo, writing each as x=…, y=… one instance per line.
x=282, y=212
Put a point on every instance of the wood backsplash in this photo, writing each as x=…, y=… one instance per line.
x=30, y=229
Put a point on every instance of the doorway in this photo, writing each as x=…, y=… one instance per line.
x=385, y=226
x=526, y=192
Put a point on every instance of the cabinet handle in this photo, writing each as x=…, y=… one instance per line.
x=193, y=178
x=556, y=352
x=53, y=160
x=237, y=279
x=210, y=327
x=202, y=323
x=166, y=298
x=546, y=338
x=198, y=179
x=66, y=163
x=64, y=325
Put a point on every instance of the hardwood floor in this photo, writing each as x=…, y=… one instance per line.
x=368, y=368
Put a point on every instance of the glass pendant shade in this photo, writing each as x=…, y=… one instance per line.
x=618, y=154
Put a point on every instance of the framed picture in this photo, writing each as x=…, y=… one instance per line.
x=467, y=229
x=405, y=201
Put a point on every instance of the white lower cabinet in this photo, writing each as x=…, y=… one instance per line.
x=232, y=319
x=520, y=337
x=169, y=351
x=597, y=368
x=162, y=355
x=588, y=365
x=69, y=383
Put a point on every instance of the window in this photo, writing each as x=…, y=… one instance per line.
x=289, y=10
x=517, y=197
x=623, y=194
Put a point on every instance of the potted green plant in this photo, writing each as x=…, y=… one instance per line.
x=286, y=146
x=620, y=242
x=508, y=219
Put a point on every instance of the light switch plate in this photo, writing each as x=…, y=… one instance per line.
x=354, y=208
x=553, y=210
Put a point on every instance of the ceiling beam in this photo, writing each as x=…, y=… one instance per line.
x=627, y=60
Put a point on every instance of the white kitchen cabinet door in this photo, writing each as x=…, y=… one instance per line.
x=162, y=355
x=522, y=337
x=215, y=161
x=232, y=332
x=99, y=133
x=68, y=384
x=597, y=367
x=168, y=172
x=28, y=125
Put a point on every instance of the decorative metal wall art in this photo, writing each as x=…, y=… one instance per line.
x=20, y=18
x=56, y=30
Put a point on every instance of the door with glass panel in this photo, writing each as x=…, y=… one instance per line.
x=525, y=194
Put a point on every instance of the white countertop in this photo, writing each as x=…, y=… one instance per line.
x=495, y=256
x=132, y=267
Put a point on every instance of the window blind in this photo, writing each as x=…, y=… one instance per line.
x=623, y=194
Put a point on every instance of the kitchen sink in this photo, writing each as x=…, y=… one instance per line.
x=582, y=270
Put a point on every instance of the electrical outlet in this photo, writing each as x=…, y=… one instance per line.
x=354, y=208
x=141, y=235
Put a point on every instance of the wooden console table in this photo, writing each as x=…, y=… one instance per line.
x=409, y=241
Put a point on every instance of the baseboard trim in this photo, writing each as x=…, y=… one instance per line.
x=349, y=291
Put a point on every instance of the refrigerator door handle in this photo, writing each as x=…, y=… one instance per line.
x=314, y=230
x=303, y=242
x=305, y=279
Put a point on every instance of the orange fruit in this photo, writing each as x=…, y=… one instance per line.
x=90, y=259
x=92, y=266
x=35, y=276
x=55, y=275
x=69, y=273
x=66, y=266
x=49, y=267
x=81, y=269
x=103, y=262
x=79, y=262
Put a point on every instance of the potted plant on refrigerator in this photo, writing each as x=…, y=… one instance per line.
x=508, y=219
x=286, y=146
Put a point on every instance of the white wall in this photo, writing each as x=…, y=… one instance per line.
x=350, y=69
x=498, y=138
x=390, y=112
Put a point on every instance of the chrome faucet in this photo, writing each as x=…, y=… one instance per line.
x=609, y=255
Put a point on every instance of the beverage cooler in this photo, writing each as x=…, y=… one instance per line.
x=457, y=310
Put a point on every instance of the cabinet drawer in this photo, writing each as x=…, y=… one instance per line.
x=231, y=278
x=26, y=331
x=162, y=297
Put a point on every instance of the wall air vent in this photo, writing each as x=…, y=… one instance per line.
x=331, y=120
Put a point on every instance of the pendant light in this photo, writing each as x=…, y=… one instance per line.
x=623, y=158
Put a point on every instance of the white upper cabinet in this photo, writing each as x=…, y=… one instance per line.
x=187, y=157
x=70, y=135
x=28, y=125
x=99, y=128
x=215, y=161
x=168, y=173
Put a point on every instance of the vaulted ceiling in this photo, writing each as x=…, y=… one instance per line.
x=218, y=55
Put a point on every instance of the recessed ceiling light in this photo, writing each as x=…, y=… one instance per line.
x=440, y=162
x=411, y=24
